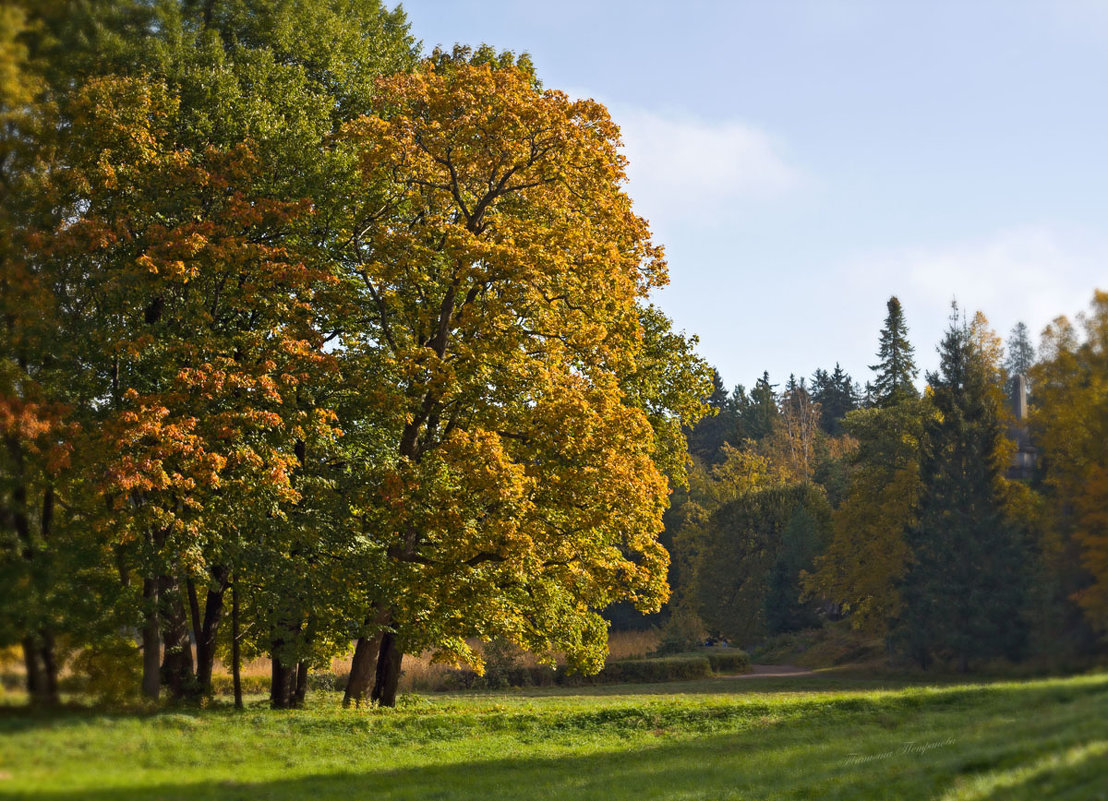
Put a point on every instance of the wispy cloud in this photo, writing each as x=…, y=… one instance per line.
x=685, y=170
x=1029, y=273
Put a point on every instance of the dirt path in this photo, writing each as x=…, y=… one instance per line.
x=772, y=671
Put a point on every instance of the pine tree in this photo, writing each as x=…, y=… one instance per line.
x=964, y=588
x=836, y=394
x=758, y=410
x=896, y=368
x=707, y=438
x=1021, y=353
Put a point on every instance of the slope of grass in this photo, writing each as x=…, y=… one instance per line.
x=814, y=737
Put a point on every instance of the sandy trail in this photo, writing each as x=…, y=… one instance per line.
x=772, y=671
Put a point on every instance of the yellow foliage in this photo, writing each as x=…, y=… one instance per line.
x=1070, y=424
x=506, y=274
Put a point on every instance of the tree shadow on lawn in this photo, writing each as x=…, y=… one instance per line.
x=833, y=680
x=720, y=767
x=1033, y=693
x=861, y=755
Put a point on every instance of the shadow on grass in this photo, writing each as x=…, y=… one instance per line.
x=813, y=694
x=718, y=767
x=833, y=680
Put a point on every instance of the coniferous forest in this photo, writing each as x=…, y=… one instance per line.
x=313, y=343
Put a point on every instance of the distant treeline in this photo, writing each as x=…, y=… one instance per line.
x=911, y=515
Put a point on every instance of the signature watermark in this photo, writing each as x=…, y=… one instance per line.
x=907, y=749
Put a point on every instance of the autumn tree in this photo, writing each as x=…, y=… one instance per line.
x=1070, y=426
x=864, y=563
x=796, y=432
x=32, y=420
x=532, y=406
x=193, y=296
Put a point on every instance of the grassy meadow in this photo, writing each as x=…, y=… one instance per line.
x=820, y=736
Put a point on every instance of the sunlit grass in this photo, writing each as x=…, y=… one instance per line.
x=823, y=736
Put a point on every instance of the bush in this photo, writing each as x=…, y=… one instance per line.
x=674, y=668
x=682, y=632
x=728, y=660
x=502, y=665
x=111, y=671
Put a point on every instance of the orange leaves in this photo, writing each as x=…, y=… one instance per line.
x=502, y=271
x=1070, y=426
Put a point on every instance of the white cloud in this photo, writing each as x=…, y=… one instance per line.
x=688, y=170
x=1029, y=273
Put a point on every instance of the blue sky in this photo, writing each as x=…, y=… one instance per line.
x=802, y=161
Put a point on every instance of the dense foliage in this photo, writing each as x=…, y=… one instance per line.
x=308, y=332
x=308, y=340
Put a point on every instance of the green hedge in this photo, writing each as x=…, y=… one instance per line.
x=670, y=668
x=729, y=660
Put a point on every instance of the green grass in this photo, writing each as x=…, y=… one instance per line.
x=818, y=737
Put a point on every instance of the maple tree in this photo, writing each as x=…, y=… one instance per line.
x=504, y=278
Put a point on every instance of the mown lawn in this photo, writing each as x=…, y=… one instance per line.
x=812, y=737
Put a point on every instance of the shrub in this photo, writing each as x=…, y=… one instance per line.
x=674, y=668
x=682, y=632
x=728, y=660
x=503, y=665
x=110, y=671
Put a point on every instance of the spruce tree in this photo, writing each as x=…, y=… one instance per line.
x=964, y=588
x=758, y=410
x=707, y=437
x=1021, y=353
x=896, y=368
x=836, y=394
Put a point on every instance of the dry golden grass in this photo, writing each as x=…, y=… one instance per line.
x=420, y=673
x=632, y=644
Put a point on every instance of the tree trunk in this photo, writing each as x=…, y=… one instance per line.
x=42, y=669
x=194, y=609
x=301, y=684
x=206, y=634
x=363, y=666
x=151, y=641
x=177, y=666
x=389, y=660
x=283, y=684
x=50, y=668
x=36, y=676
x=362, y=669
x=236, y=653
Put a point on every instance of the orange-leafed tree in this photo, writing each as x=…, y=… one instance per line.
x=1070, y=427
x=188, y=320
x=533, y=398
